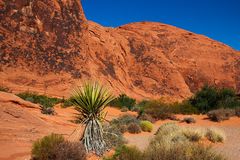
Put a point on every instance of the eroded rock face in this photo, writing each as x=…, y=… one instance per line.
x=52, y=38
x=42, y=34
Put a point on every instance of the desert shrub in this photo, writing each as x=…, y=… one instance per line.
x=181, y=151
x=4, y=89
x=124, y=109
x=158, y=110
x=237, y=111
x=44, y=149
x=134, y=128
x=123, y=128
x=55, y=147
x=146, y=117
x=189, y=120
x=127, y=153
x=113, y=136
x=215, y=135
x=70, y=151
x=66, y=103
x=171, y=143
x=179, y=143
x=183, y=108
x=49, y=110
x=146, y=126
x=44, y=101
x=227, y=98
x=205, y=99
x=210, y=98
x=123, y=101
x=125, y=120
x=220, y=114
x=136, y=109
x=172, y=133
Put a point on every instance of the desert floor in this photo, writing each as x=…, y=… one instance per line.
x=21, y=126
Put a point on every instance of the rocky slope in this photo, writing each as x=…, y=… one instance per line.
x=48, y=46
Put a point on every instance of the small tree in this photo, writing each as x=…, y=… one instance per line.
x=90, y=101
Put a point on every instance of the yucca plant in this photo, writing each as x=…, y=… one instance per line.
x=90, y=101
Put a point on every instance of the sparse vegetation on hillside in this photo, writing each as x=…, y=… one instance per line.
x=54, y=147
x=123, y=101
x=46, y=102
x=90, y=101
x=4, y=89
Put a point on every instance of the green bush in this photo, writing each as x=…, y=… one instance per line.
x=123, y=101
x=66, y=103
x=219, y=115
x=158, y=110
x=44, y=149
x=126, y=153
x=43, y=100
x=146, y=126
x=134, y=128
x=215, y=135
x=161, y=110
x=4, y=89
x=183, y=108
x=210, y=98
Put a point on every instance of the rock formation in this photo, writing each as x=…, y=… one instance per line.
x=48, y=45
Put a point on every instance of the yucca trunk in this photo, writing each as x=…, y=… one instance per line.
x=93, y=137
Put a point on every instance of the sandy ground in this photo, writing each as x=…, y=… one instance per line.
x=20, y=126
x=230, y=148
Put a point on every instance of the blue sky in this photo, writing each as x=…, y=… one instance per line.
x=217, y=19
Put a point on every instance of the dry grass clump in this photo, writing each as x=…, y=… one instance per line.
x=215, y=135
x=172, y=132
x=193, y=135
x=171, y=143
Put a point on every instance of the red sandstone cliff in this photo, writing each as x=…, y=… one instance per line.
x=48, y=45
